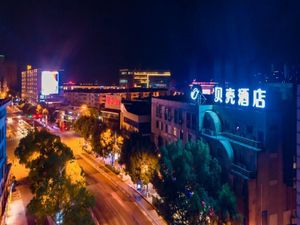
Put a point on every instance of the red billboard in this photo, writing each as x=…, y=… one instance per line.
x=112, y=102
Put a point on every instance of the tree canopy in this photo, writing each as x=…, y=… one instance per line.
x=111, y=142
x=138, y=155
x=189, y=183
x=56, y=180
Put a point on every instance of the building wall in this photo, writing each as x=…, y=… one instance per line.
x=169, y=121
x=262, y=145
x=4, y=169
x=30, y=85
x=298, y=154
x=96, y=99
x=134, y=123
x=144, y=79
x=256, y=148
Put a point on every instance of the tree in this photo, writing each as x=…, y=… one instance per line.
x=111, y=143
x=90, y=128
x=142, y=166
x=39, y=109
x=138, y=155
x=86, y=126
x=56, y=180
x=196, y=196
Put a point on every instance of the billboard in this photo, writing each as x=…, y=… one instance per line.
x=50, y=84
x=112, y=102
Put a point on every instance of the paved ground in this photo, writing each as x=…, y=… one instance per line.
x=16, y=129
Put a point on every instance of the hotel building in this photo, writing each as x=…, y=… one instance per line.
x=144, y=79
x=252, y=133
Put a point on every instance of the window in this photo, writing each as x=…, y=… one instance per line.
x=158, y=110
x=176, y=116
x=181, y=134
x=168, y=114
x=194, y=121
x=174, y=131
x=260, y=136
x=189, y=137
x=188, y=120
x=157, y=124
x=249, y=129
x=180, y=118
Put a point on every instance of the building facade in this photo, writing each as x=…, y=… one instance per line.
x=175, y=117
x=38, y=85
x=252, y=135
x=298, y=154
x=97, y=97
x=144, y=78
x=135, y=116
x=4, y=167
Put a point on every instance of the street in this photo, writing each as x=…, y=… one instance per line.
x=116, y=202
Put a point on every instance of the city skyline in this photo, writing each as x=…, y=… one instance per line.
x=202, y=40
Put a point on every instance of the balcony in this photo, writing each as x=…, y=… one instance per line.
x=244, y=140
x=240, y=171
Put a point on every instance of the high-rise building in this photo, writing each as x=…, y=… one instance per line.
x=40, y=85
x=144, y=78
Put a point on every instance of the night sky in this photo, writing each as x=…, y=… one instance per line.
x=207, y=39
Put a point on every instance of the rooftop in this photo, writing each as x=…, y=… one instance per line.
x=176, y=98
x=117, y=90
x=138, y=107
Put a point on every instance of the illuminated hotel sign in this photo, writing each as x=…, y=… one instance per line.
x=195, y=92
x=241, y=97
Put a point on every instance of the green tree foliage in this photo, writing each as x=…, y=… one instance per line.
x=90, y=127
x=189, y=183
x=54, y=178
x=142, y=166
x=111, y=143
x=138, y=155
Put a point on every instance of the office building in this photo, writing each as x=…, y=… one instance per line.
x=40, y=85
x=252, y=133
x=144, y=78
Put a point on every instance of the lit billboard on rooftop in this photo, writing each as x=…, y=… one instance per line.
x=50, y=84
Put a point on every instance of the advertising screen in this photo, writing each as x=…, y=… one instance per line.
x=112, y=102
x=50, y=82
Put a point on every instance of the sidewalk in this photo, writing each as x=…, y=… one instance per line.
x=19, y=199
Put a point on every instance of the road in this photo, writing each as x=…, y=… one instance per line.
x=116, y=202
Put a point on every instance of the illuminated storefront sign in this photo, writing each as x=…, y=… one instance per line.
x=241, y=97
x=195, y=92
